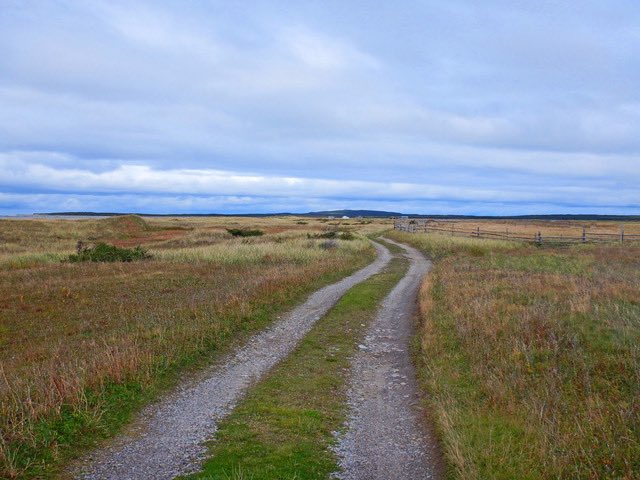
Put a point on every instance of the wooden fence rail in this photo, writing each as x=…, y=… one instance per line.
x=415, y=226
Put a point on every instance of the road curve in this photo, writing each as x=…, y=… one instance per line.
x=167, y=439
x=386, y=437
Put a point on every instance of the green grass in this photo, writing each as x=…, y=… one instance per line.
x=283, y=429
x=539, y=262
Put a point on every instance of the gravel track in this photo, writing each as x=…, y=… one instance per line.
x=386, y=435
x=167, y=438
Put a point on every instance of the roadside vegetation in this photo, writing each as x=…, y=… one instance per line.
x=531, y=357
x=243, y=232
x=284, y=427
x=103, y=252
x=85, y=344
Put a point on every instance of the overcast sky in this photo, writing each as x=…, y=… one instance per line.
x=457, y=106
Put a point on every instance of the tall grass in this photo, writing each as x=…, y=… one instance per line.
x=244, y=251
x=82, y=344
x=531, y=358
x=26, y=260
x=441, y=245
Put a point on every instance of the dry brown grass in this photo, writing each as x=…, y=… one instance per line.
x=71, y=331
x=532, y=358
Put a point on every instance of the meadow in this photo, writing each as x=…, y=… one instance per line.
x=530, y=356
x=84, y=345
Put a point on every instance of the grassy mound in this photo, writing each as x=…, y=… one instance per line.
x=123, y=226
x=126, y=222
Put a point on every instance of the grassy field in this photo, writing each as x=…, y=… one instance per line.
x=531, y=358
x=82, y=345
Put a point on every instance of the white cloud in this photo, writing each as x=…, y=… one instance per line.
x=144, y=180
x=325, y=53
x=454, y=100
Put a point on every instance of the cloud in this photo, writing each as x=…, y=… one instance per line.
x=146, y=181
x=440, y=103
x=325, y=53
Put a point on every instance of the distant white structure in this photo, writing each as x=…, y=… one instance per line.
x=344, y=217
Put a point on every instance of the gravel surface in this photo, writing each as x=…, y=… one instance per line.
x=386, y=435
x=167, y=439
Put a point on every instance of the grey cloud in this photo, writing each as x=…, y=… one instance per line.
x=538, y=102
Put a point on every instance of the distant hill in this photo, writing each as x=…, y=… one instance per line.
x=366, y=213
x=626, y=218
x=328, y=213
x=353, y=213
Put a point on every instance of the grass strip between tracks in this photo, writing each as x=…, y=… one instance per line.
x=283, y=428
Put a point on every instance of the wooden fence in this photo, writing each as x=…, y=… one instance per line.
x=425, y=226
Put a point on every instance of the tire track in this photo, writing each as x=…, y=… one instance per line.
x=386, y=436
x=167, y=439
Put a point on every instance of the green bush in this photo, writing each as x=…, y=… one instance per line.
x=238, y=232
x=332, y=235
x=103, y=252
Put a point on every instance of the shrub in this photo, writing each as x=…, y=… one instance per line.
x=239, y=232
x=333, y=234
x=103, y=252
x=329, y=244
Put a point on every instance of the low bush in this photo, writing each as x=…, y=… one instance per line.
x=103, y=252
x=347, y=236
x=333, y=234
x=240, y=232
x=329, y=244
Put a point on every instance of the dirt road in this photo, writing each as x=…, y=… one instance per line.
x=386, y=436
x=167, y=439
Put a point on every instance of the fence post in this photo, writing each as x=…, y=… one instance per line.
x=539, y=238
x=584, y=235
x=621, y=233
x=507, y=233
x=478, y=232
